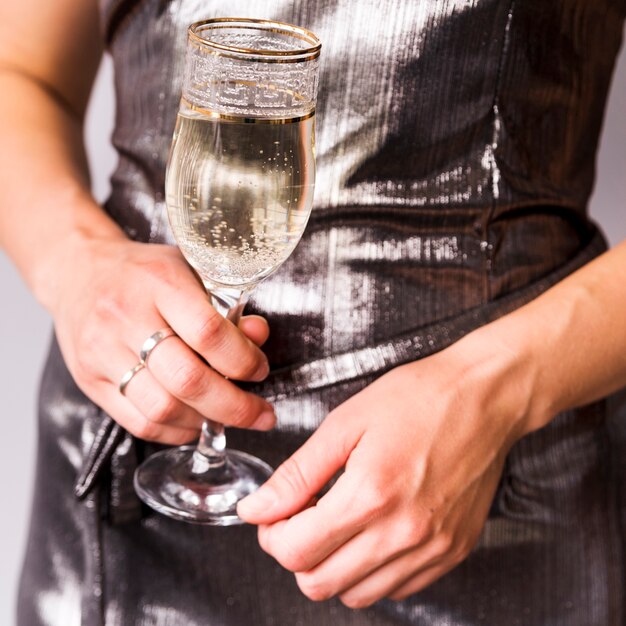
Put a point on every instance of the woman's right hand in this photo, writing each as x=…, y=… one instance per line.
x=114, y=294
x=105, y=293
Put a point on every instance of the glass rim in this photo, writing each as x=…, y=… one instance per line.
x=302, y=54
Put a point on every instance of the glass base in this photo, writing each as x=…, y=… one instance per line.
x=183, y=484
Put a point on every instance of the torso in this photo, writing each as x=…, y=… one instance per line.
x=455, y=150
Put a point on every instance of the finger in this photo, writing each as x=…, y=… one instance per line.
x=302, y=475
x=354, y=502
x=201, y=327
x=179, y=370
x=129, y=417
x=358, y=558
x=302, y=542
x=160, y=406
x=342, y=538
x=412, y=571
x=152, y=400
x=421, y=580
x=255, y=328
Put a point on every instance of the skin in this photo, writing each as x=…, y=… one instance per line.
x=422, y=447
x=106, y=294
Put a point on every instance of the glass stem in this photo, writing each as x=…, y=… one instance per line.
x=212, y=443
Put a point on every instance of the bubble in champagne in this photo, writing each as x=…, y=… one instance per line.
x=235, y=219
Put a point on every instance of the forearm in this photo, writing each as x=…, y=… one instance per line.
x=566, y=348
x=46, y=202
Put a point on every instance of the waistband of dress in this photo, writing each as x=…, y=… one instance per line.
x=414, y=344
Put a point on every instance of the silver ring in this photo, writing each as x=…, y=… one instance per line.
x=129, y=376
x=153, y=341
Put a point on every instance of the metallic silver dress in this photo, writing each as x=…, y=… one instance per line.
x=456, y=143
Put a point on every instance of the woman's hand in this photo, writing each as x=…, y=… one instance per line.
x=106, y=294
x=423, y=446
x=110, y=296
x=423, y=449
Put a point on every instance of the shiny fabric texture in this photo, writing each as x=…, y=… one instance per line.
x=455, y=146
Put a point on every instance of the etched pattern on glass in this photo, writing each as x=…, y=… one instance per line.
x=227, y=84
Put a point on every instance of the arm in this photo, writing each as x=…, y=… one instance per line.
x=423, y=447
x=48, y=58
x=573, y=337
x=105, y=293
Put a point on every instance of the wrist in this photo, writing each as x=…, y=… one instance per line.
x=499, y=365
x=54, y=265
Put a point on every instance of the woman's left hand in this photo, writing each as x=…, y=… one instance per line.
x=423, y=449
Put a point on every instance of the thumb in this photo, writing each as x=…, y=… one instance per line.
x=298, y=480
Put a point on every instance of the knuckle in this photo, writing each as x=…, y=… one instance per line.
x=444, y=543
x=402, y=595
x=242, y=412
x=161, y=269
x=373, y=501
x=355, y=600
x=461, y=551
x=148, y=431
x=209, y=331
x=290, y=556
x=263, y=539
x=313, y=588
x=246, y=366
x=407, y=534
x=162, y=409
x=290, y=473
x=88, y=351
x=187, y=380
x=423, y=530
x=108, y=307
x=86, y=365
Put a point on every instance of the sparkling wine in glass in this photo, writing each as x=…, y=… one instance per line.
x=239, y=191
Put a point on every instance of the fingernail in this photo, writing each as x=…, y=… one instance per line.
x=260, y=501
x=262, y=371
x=265, y=421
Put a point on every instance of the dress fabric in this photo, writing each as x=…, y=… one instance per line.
x=455, y=149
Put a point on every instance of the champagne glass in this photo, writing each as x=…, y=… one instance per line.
x=239, y=190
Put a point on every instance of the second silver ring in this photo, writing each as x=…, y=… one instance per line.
x=153, y=341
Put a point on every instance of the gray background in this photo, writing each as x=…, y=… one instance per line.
x=25, y=326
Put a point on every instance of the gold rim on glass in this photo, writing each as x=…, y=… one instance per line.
x=271, y=56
